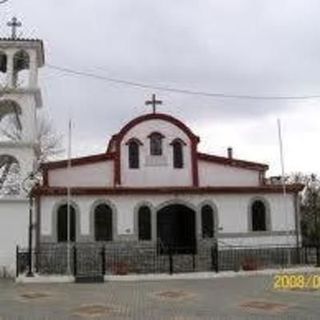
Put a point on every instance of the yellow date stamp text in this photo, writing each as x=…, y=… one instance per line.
x=296, y=281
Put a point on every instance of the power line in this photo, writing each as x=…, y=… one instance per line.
x=177, y=90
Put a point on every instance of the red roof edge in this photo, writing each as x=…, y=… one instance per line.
x=233, y=162
x=78, y=161
x=54, y=191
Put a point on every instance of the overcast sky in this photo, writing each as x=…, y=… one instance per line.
x=245, y=47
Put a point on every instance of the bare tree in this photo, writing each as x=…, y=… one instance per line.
x=310, y=210
x=48, y=145
x=310, y=206
x=9, y=175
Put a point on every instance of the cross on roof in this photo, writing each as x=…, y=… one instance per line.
x=14, y=24
x=154, y=102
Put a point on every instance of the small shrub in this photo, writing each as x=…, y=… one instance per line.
x=250, y=264
x=120, y=268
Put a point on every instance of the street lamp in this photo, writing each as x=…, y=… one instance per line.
x=27, y=185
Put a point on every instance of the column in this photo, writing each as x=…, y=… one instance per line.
x=28, y=120
x=33, y=69
x=10, y=71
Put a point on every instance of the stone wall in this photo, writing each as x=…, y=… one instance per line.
x=120, y=257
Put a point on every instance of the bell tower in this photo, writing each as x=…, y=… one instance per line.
x=20, y=97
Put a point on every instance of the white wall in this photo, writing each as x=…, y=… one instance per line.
x=213, y=174
x=14, y=224
x=163, y=173
x=232, y=211
x=99, y=174
x=261, y=241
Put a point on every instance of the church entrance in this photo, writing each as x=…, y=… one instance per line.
x=176, y=229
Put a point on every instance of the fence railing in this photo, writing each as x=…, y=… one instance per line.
x=93, y=259
x=249, y=258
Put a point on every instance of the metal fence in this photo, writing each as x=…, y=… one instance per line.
x=93, y=259
x=248, y=258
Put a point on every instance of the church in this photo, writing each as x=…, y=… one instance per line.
x=152, y=190
x=150, y=193
x=152, y=184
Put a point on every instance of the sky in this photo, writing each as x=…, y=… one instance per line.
x=237, y=47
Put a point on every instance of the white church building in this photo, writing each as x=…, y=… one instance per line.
x=151, y=191
x=152, y=184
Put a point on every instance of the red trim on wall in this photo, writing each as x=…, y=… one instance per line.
x=156, y=116
x=117, y=164
x=111, y=143
x=233, y=162
x=194, y=164
x=55, y=191
x=45, y=176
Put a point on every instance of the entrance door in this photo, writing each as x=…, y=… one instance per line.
x=176, y=229
x=88, y=263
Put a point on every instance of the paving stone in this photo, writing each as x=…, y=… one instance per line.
x=93, y=310
x=33, y=296
x=174, y=294
x=240, y=298
x=265, y=306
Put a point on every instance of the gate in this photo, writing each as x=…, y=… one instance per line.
x=89, y=264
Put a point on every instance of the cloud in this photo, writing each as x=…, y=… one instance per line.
x=238, y=47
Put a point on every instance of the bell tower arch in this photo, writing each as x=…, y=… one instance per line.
x=20, y=98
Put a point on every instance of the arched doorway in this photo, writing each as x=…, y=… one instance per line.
x=176, y=229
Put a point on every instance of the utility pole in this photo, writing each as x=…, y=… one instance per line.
x=28, y=184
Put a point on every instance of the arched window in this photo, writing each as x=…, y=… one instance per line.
x=144, y=223
x=133, y=146
x=207, y=221
x=177, y=154
x=62, y=224
x=21, y=62
x=3, y=69
x=103, y=223
x=3, y=62
x=258, y=216
x=156, y=143
x=10, y=120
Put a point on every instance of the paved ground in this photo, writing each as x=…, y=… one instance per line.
x=229, y=298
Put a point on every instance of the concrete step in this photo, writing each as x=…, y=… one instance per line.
x=89, y=278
